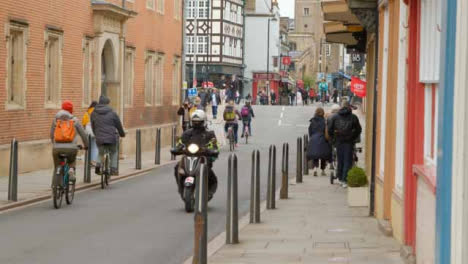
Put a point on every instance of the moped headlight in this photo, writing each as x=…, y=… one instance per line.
x=193, y=148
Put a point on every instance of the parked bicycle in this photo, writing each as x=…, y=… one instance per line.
x=62, y=183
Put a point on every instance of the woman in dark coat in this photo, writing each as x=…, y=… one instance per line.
x=319, y=149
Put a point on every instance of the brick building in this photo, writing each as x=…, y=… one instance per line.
x=52, y=51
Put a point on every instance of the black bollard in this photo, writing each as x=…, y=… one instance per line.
x=13, y=176
x=157, y=151
x=232, y=211
x=200, y=254
x=138, y=150
x=299, y=161
x=255, y=188
x=271, y=189
x=304, y=156
x=285, y=172
x=173, y=140
x=87, y=165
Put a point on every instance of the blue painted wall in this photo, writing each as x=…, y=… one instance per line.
x=444, y=160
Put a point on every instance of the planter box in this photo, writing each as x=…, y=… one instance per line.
x=358, y=196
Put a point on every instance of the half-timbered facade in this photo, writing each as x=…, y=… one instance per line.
x=215, y=39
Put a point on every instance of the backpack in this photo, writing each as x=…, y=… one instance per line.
x=245, y=111
x=229, y=114
x=344, y=128
x=64, y=131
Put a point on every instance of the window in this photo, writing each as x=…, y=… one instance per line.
x=87, y=71
x=150, y=4
x=149, y=77
x=159, y=79
x=306, y=11
x=431, y=21
x=431, y=99
x=176, y=85
x=161, y=6
x=16, y=64
x=328, y=50
x=129, y=76
x=202, y=44
x=177, y=9
x=190, y=45
x=53, y=69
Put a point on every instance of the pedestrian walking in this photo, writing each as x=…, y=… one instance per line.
x=319, y=149
x=215, y=101
x=345, y=128
x=86, y=122
x=273, y=97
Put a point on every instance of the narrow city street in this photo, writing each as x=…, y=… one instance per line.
x=141, y=219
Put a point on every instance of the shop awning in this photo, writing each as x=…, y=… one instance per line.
x=342, y=23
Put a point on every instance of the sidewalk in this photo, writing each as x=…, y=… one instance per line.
x=314, y=225
x=34, y=186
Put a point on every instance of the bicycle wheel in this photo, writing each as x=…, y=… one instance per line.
x=70, y=192
x=57, y=196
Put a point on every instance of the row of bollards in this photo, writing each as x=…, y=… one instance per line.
x=13, y=170
x=157, y=151
x=232, y=213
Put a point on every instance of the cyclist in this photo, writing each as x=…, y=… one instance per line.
x=247, y=114
x=63, y=135
x=199, y=135
x=107, y=128
x=231, y=116
x=323, y=90
x=345, y=128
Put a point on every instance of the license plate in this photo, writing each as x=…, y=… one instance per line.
x=189, y=180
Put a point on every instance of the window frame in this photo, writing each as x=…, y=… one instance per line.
x=306, y=11
x=160, y=6
x=129, y=91
x=87, y=51
x=158, y=81
x=151, y=6
x=176, y=80
x=23, y=28
x=58, y=35
x=149, y=78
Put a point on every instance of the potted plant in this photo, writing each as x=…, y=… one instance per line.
x=358, y=191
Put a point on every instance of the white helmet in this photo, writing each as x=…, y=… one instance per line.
x=198, y=119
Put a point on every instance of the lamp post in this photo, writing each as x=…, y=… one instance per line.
x=268, y=57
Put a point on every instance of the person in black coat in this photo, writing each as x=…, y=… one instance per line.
x=319, y=149
x=345, y=129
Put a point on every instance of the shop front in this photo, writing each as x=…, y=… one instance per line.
x=261, y=81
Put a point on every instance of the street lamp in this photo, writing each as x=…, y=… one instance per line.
x=268, y=57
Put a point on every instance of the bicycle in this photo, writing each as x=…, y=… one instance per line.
x=105, y=169
x=65, y=186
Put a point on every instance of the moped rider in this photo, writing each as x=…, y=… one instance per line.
x=200, y=135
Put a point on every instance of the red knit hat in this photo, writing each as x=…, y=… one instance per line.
x=67, y=106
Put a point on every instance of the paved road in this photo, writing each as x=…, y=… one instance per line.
x=140, y=220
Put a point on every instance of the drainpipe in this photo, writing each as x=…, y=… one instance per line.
x=374, y=118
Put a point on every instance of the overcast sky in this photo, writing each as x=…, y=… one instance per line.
x=286, y=8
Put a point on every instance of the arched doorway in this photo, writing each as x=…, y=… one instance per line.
x=109, y=83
